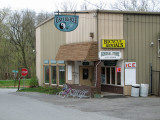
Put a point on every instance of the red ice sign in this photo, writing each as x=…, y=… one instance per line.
x=24, y=72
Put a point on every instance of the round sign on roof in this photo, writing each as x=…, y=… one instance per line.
x=24, y=72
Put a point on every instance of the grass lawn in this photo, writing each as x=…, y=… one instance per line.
x=12, y=83
x=47, y=90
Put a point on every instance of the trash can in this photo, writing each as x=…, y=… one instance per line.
x=135, y=90
x=144, y=90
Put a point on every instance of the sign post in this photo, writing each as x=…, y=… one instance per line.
x=15, y=76
x=24, y=72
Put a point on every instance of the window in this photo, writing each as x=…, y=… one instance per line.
x=118, y=78
x=113, y=75
x=85, y=73
x=103, y=79
x=46, y=74
x=158, y=47
x=61, y=75
x=53, y=74
x=110, y=76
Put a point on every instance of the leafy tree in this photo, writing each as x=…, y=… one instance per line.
x=22, y=36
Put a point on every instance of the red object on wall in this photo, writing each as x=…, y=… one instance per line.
x=24, y=72
x=118, y=69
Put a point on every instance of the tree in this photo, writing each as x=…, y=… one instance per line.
x=136, y=5
x=41, y=17
x=67, y=6
x=89, y=5
x=5, y=48
x=22, y=36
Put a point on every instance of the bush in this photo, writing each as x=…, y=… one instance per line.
x=45, y=89
x=33, y=82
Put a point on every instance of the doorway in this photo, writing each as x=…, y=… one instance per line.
x=86, y=75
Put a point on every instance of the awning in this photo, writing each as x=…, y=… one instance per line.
x=87, y=51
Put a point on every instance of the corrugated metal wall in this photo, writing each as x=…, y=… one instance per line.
x=139, y=32
x=50, y=40
x=110, y=27
x=87, y=25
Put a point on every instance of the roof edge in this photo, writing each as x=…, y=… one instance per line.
x=40, y=24
x=103, y=11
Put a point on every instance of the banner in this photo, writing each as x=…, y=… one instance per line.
x=66, y=23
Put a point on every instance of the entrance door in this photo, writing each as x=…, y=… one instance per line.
x=86, y=75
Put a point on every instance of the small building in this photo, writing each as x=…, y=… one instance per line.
x=109, y=50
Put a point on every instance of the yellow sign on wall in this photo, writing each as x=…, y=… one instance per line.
x=109, y=43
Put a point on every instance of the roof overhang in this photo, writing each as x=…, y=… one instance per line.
x=87, y=51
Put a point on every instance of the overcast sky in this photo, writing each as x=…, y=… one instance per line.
x=39, y=5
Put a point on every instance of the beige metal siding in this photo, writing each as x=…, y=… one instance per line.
x=38, y=55
x=110, y=26
x=139, y=32
x=51, y=39
x=48, y=42
x=87, y=24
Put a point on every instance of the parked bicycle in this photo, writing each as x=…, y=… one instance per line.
x=68, y=91
x=65, y=93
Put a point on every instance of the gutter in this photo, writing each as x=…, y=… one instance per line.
x=96, y=72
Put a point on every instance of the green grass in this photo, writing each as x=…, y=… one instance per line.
x=12, y=83
x=47, y=90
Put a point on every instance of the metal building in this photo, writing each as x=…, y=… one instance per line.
x=109, y=50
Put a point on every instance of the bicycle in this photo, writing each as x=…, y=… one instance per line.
x=65, y=93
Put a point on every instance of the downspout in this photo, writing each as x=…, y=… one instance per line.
x=98, y=47
x=96, y=72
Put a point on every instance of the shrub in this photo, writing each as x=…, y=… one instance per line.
x=33, y=82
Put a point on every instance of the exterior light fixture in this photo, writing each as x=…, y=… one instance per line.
x=152, y=43
x=91, y=35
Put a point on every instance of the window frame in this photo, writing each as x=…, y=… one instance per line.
x=57, y=73
x=115, y=67
x=61, y=65
x=46, y=65
x=158, y=47
x=53, y=65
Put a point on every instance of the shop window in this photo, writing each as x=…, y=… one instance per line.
x=108, y=75
x=53, y=61
x=46, y=61
x=60, y=62
x=46, y=74
x=103, y=79
x=53, y=74
x=113, y=75
x=61, y=75
x=85, y=73
x=118, y=76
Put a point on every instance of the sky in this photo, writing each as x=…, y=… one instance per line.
x=38, y=5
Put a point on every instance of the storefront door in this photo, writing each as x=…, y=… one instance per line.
x=86, y=75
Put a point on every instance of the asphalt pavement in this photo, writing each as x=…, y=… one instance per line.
x=21, y=107
x=37, y=106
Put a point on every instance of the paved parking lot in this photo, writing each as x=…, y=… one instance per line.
x=141, y=108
